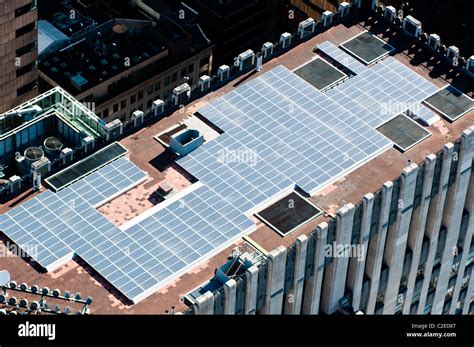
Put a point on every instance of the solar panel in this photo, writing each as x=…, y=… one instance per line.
x=341, y=56
x=86, y=166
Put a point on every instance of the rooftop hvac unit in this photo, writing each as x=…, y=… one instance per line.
x=204, y=83
x=181, y=94
x=412, y=26
x=285, y=40
x=326, y=18
x=137, y=118
x=434, y=41
x=246, y=59
x=306, y=27
x=66, y=155
x=453, y=55
x=259, y=63
x=113, y=129
x=15, y=184
x=158, y=107
x=223, y=72
x=88, y=144
x=267, y=49
x=470, y=64
x=41, y=167
x=343, y=9
x=389, y=13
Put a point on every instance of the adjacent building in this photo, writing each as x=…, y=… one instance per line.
x=124, y=65
x=18, y=52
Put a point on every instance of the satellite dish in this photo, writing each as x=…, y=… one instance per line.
x=4, y=278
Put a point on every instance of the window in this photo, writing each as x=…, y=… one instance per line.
x=133, y=99
x=149, y=103
x=25, y=9
x=106, y=113
x=25, y=29
x=25, y=69
x=190, y=68
x=183, y=72
x=140, y=107
x=166, y=94
x=140, y=95
x=149, y=90
x=157, y=86
x=116, y=107
x=123, y=104
x=167, y=81
x=25, y=49
x=26, y=88
x=174, y=77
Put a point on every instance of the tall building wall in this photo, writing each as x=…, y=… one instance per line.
x=18, y=52
x=416, y=251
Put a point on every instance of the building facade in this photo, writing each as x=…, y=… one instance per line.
x=18, y=52
x=418, y=251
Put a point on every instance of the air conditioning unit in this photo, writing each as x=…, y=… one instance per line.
x=434, y=41
x=326, y=18
x=158, y=107
x=66, y=155
x=223, y=72
x=181, y=94
x=267, y=49
x=343, y=9
x=88, y=144
x=246, y=59
x=113, y=129
x=470, y=64
x=15, y=184
x=412, y=26
x=137, y=118
x=204, y=83
x=306, y=27
x=453, y=55
x=285, y=40
x=390, y=13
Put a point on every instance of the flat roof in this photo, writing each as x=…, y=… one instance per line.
x=147, y=154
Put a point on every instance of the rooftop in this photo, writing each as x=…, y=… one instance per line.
x=148, y=155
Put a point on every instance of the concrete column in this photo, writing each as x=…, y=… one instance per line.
x=454, y=206
x=469, y=294
x=335, y=279
x=312, y=290
x=355, y=275
x=469, y=207
x=275, y=281
x=433, y=222
x=204, y=304
x=251, y=275
x=230, y=292
x=417, y=229
x=294, y=297
x=397, y=235
x=377, y=245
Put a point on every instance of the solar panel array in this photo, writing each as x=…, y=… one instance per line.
x=53, y=222
x=382, y=92
x=342, y=57
x=279, y=131
x=297, y=135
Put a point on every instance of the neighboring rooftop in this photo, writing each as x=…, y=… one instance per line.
x=144, y=150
